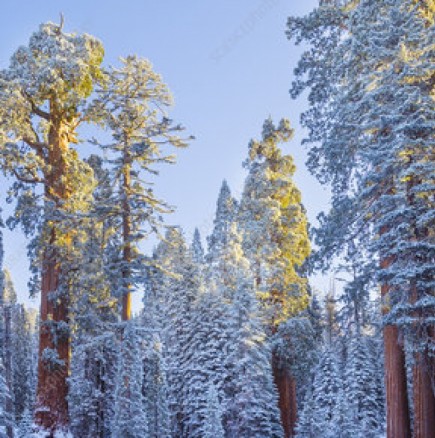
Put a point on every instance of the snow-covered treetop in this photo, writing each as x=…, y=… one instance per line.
x=56, y=69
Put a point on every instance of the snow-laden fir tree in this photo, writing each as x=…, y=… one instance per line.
x=155, y=388
x=92, y=384
x=365, y=409
x=306, y=422
x=205, y=354
x=155, y=382
x=9, y=314
x=197, y=249
x=251, y=398
x=226, y=210
x=5, y=425
x=326, y=390
x=212, y=414
x=296, y=344
x=177, y=283
x=6, y=407
x=94, y=316
x=130, y=419
x=23, y=366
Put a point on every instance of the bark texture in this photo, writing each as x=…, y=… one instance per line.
x=398, y=423
x=286, y=386
x=424, y=399
x=51, y=411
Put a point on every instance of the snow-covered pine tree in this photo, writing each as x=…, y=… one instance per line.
x=5, y=424
x=22, y=364
x=176, y=282
x=251, y=398
x=371, y=133
x=132, y=103
x=155, y=382
x=326, y=390
x=306, y=420
x=155, y=387
x=212, y=414
x=275, y=241
x=197, y=248
x=6, y=407
x=205, y=354
x=9, y=311
x=130, y=419
x=364, y=407
x=92, y=384
x=226, y=210
x=93, y=309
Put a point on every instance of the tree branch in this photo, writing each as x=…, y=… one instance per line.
x=35, y=109
x=25, y=179
x=39, y=146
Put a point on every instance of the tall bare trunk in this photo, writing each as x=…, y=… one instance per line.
x=51, y=404
x=398, y=421
x=424, y=399
x=51, y=411
x=423, y=379
x=126, y=237
x=423, y=368
x=286, y=385
x=398, y=424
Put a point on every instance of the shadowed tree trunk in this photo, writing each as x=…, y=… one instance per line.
x=423, y=368
x=398, y=422
x=52, y=407
x=286, y=385
x=423, y=372
x=424, y=400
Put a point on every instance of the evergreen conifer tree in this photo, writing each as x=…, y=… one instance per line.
x=43, y=99
x=212, y=427
x=130, y=419
x=132, y=103
x=275, y=241
x=370, y=127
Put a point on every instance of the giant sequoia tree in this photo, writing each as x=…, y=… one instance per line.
x=42, y=103
x=369, y=70
x=54, y=85
x=275, y=240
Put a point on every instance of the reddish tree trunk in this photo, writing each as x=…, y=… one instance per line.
x=398, y=421
x=423, y=381
x=51, y=411
x=424, y=399
x=51, y=405
x=286, y=385
x=423, y=368
x=398, y=424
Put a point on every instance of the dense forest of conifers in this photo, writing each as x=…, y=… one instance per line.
x=232, y=341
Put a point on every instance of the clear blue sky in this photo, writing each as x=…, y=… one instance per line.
x=229, y=66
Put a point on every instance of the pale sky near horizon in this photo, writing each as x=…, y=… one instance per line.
x=228, y=64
